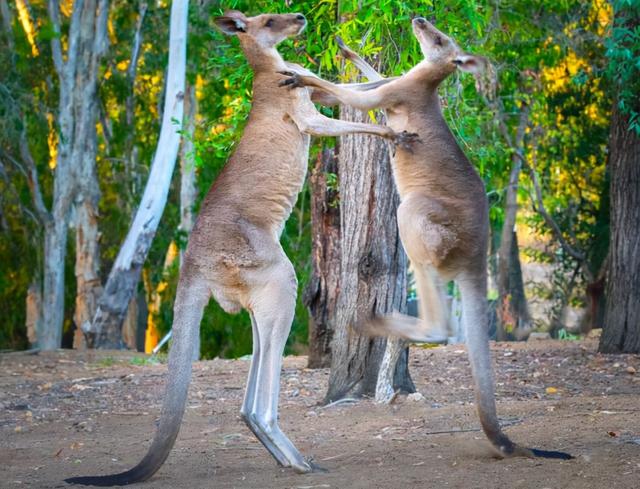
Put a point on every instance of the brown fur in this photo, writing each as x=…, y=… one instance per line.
x=443, y=216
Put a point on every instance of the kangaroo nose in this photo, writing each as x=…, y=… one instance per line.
x=300, y=17
x=420, y=20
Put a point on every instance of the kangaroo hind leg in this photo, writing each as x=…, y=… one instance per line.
x=272, y=308
x=432, y=300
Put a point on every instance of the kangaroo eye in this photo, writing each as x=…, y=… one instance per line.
x=438, y=41
x=269, y=23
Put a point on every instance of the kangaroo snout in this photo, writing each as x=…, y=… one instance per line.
x=301, y=20
x=420, y=22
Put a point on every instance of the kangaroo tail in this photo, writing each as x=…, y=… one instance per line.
x=189, y=307
x=474, y=319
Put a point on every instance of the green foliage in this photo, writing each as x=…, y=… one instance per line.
x=158, y=359
x=623, y=53
x=532, y=43
x=563, y=334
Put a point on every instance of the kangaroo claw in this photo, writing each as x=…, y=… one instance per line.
x=315, y=467
x=406, y=140
x=294, y=80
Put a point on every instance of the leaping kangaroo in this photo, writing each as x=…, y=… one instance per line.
x=234, y=254
x=443, y=215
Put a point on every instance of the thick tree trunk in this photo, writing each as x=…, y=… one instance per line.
x=89, y=287
x=621, y=333
x=373, y=264
x=321, y=294
x=55, y=246
x=92, y=44
x=125, y=274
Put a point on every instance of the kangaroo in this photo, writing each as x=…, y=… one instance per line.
x=443, y=215
x=234, y=254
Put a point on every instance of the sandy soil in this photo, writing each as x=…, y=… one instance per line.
x=69, y=413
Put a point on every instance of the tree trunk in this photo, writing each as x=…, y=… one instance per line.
x=87, y=268
x=321, y=294
x=55, y=247
x=188, y=190
x=621, y=333
x=125, y=274
x=7, y=22
x=92, y=45
x=34, y=311
x=130, y=325
x=513, y=312
x=373, y=264
x=77, y=117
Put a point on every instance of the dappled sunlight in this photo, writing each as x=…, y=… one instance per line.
x=27, y=25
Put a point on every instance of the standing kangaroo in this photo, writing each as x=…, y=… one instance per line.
x=443, y=215
x=234, y=253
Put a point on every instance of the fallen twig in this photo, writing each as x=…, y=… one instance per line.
x=340, y=401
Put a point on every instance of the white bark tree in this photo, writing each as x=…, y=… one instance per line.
x=124, y=276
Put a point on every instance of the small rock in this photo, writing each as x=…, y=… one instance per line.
x=539, y=336
x=631, y=370
x=416, y=397
x=311, y=414
x=594, y=334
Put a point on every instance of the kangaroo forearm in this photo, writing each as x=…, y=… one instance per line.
x=361, y=100
x=323, y=126
x=364, y=87
x=327, y=99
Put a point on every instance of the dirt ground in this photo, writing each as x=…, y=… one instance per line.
x=70, y=413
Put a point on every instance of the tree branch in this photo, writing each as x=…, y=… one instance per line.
x=7, y=22
x=11, y=189
x=516, y=146
x=133, y=62
x=74, y=36
x=32, y=179
x=56, y=45
x=540, y=208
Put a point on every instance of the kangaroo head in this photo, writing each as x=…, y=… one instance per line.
x=266, y=30
x=442, y=52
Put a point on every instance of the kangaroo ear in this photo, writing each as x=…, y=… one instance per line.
x=232, y=22
x=471, y=64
